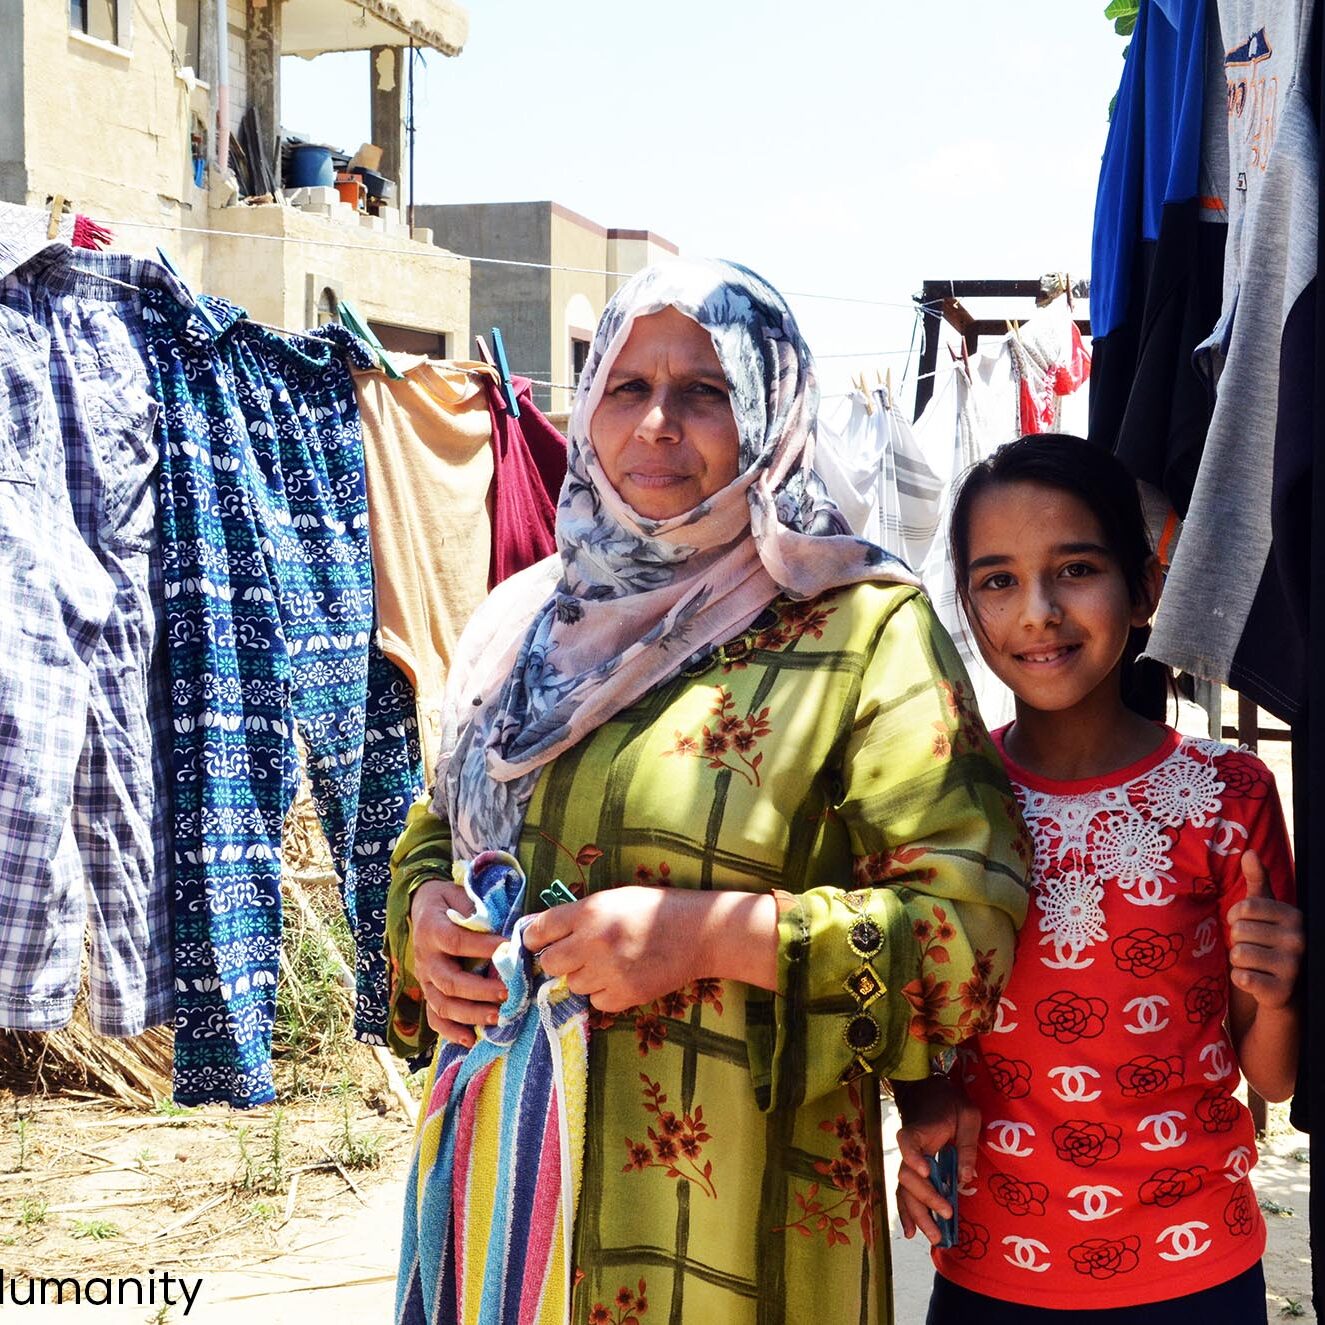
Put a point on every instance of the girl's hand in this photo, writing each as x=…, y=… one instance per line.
x=1266, y=940
x=934, y=1112
x=458, y=1000
x=624, y=946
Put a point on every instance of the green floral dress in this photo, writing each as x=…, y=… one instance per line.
x=732, y=1168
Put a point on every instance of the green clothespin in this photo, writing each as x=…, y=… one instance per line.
x=351, y=321
x=557, y=895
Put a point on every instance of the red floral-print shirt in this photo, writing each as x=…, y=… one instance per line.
x=1113, y=1157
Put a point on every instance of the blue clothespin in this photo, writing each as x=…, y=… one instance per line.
x=198, y=306
x=557, y=895
x=507, y=386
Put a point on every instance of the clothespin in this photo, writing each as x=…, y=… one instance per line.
x=507, y=387
x=198, y=306
x=350, y=319
x=557, y=895
x=1067, y=289
x=59, y=205
x=964, y=357
x=1014, y=329
x=858, y=381
x=888, y=385
x=484, y=352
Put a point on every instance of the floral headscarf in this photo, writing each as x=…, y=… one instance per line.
x=560, y=648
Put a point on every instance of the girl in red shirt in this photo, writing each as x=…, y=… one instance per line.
x=1103, y=1160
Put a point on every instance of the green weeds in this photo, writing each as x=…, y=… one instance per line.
x=98, y=1230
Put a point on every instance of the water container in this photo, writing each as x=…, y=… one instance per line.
x=310, y=167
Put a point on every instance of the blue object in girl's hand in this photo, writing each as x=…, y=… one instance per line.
x=943, y=1174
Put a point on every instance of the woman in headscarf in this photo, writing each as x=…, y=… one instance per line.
x=740, y=737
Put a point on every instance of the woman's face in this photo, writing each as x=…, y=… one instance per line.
x=664, y=431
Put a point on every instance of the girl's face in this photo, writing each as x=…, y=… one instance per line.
x=1047, y=597
x=664, y=431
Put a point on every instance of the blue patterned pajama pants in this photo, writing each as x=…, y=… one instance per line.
x=84, y=709
x=269, y=601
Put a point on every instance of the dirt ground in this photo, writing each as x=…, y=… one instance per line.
x=252, y=1229
x=249, y=1203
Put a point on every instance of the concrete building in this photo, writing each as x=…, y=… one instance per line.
x=114, y=104
x=547, y=317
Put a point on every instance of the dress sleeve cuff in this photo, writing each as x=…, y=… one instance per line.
x=843, y=959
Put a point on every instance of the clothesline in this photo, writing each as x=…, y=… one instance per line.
x=566, y=386
x=497, y=262
x=831, y=395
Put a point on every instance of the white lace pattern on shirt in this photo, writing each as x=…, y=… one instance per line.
x=1117, y=837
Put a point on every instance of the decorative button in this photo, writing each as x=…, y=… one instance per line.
x=862, y=1032
x=864, y=985
x=735, y=650
x=865, y=938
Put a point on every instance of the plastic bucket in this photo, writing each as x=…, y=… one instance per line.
x=310, y=167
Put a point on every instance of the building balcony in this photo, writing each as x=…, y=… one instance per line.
x=315, y=27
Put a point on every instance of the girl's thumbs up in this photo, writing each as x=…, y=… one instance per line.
x=1254, y=873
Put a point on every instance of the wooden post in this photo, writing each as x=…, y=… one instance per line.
x=1249, y=735
x=932, y=308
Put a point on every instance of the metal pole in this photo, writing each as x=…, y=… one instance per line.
x=409, y=129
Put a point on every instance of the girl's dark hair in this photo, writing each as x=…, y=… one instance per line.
x=1096, y=479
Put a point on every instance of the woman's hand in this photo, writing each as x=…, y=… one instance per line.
x=1266, y=940
x=935, y=1112
x=627, y=946
x=457, y=999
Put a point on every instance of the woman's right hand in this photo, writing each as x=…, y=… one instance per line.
x=457, y=999
x=935, y=1113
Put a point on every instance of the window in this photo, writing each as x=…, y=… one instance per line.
x=579, y=356
x=96, y=18
x=410, y=340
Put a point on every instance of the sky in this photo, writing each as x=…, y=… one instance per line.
x=851, y=148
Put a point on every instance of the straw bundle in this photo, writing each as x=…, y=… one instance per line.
x=76, y=1060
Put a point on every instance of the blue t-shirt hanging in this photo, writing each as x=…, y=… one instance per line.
x=1153, y=152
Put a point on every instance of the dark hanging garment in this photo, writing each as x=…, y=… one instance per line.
x=1158, y=248
x=1224, y=614
x=1308, y=545
x=269, y=611
x=529, y=464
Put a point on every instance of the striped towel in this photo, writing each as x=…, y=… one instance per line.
x=490, y=1203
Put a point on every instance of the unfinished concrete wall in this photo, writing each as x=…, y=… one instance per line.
x=237, y=45
x=387, y=73
x=262, y=45
x=13, y=171
x=516, y=299
x=130, y=160
x=630, y=251
x=389, y=279
x=576, y=296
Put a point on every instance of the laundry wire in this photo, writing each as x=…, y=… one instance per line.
x=497, y=262
x=567, y=386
